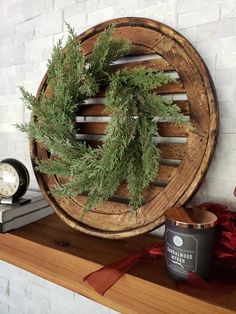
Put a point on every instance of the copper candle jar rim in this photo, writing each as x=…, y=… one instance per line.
x=191, y=218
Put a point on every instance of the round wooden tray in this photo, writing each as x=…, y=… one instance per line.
x=185, y=154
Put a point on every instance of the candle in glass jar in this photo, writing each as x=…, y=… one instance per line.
x=189, y=240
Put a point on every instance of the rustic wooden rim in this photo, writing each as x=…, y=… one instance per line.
x=174, y=48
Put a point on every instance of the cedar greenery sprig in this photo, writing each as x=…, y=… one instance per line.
x=128, y=152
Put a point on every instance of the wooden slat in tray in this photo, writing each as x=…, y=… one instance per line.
x=168, y=151
x=99, y=109
x=164, y=129
x=173, y=151
x=156, y=64
x=170, y=88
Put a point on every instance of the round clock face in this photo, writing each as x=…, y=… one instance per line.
x=9, y=180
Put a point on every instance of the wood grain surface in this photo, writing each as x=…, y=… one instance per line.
x=187, y=153
x=52, y=250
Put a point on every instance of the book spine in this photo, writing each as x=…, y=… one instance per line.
x=14, y=212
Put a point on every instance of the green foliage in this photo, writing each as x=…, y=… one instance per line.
x=128, y=151
x=106, y=50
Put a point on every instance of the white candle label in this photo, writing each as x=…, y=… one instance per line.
x=181, y=251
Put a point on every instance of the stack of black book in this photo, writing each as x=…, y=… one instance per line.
x=23, y=213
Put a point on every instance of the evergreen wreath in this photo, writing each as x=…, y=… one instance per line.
x=128, y=152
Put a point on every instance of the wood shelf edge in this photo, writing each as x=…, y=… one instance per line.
x=146, y=289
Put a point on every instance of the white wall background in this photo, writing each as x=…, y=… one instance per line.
x=28, y=29
x=24, y=293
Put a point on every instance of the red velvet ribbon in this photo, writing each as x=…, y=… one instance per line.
x=224, y=262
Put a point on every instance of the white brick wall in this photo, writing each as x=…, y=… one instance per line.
x=24, y=293
x=28, y=30
x=198, y=17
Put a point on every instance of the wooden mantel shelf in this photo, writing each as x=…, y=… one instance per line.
x=54, y=251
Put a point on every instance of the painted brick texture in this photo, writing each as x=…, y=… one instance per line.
x=24, y=293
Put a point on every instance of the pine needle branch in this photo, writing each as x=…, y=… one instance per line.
x=128, y=152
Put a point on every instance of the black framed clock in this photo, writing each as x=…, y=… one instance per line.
x=14, y=180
